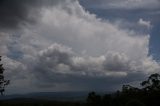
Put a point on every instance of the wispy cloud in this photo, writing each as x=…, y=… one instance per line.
x=144, y=23
x=123, y=4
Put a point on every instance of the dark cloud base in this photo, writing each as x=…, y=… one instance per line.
x=14, y=13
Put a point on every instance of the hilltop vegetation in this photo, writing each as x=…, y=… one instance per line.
x=148, y=95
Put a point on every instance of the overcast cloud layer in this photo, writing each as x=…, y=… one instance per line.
x=123, y=4
x=69, y=48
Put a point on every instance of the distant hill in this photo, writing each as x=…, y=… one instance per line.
x=59, y=96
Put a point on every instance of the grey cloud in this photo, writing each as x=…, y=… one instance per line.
x=117, y=62
x=122, y=4
x=113, y=55
x=14, y=13
x=55, y=55
x=58, y=64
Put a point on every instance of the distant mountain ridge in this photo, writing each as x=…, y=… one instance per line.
x=63, y=96
x=58, y=96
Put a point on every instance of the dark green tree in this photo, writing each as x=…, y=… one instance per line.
x=152, y=83
x=3, y=82
x=93, y=99
x=134, y=103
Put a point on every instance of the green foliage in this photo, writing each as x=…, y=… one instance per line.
x=93, y=99
x=152, y=83
x=149, y=95
x=134, y=103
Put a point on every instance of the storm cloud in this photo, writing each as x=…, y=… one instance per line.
x=14, y=14
x=64, y=47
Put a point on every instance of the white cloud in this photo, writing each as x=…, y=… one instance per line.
x=51, y=50
x=144, y=23
x=125, y=4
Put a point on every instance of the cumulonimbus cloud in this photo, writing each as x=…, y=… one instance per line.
x=14, y=14
x=71, y=47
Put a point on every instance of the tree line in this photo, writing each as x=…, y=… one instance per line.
x=3, y=82
x=147, y=95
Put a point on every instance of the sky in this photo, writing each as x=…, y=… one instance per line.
x=78, y=45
